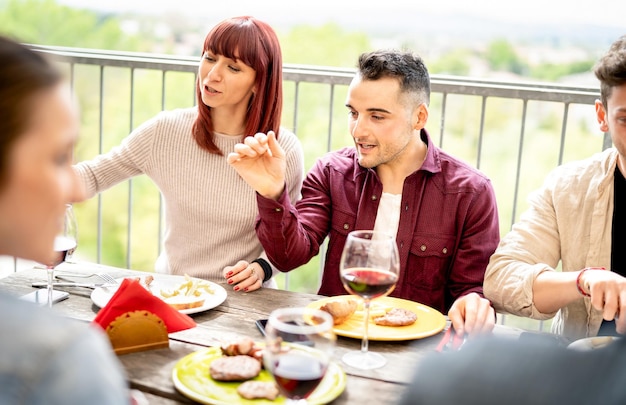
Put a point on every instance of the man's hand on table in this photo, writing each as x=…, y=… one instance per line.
x=472, y=315
x=244, y=276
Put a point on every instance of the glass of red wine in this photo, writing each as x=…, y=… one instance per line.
x=64, y=246
x=299, y=343
x=369, y=269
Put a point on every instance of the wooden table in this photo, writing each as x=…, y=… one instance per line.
x=151, y=371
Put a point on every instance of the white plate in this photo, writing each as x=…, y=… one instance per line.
x=101, y=295
x=592, y=343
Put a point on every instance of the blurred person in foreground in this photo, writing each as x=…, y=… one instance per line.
x=442, y=211
x=498, y=370
x=575, y=220
x=44, y=359
x=209, y=211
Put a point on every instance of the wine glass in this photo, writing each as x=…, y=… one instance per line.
x=369, y=268
x=70, y=223
x=299, y=345
x=64, y=246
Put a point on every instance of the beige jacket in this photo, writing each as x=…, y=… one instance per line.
x=569, y=221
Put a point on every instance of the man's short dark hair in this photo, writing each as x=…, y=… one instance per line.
x=611, y=69
x=407, y=67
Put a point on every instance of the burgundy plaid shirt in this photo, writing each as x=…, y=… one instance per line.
x=448, y=225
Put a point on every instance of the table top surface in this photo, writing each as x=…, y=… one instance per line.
x=151, y=371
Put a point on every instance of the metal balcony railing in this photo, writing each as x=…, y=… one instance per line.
x=515, y=132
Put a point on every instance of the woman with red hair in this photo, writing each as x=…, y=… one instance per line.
x=210, y=211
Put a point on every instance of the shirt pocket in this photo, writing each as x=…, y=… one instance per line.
x=429, y=259
x=342, y=224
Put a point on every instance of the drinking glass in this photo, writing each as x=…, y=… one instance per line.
x=369, y=269
x=299, y=346
x=64, y=246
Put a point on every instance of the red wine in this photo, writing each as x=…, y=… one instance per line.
x=62, y=247
x=368, y=283
x=297, y=374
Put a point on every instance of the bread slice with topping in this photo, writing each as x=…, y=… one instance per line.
x=340, y=309
x=181, y=302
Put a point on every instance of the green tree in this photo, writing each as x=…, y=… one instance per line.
x=456, y=62
x=554, y=71
x=501, y=55
x=325, y=45
x=44, y=22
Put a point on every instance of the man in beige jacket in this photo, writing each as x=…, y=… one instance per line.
x=574, y=220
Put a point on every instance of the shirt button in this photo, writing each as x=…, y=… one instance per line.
x=445, y=250
x=278, y=209
x=346, y=226
x=374, y=198
x=423, y=248
x=401, y=245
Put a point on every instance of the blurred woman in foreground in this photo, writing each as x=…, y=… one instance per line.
x=44, y=359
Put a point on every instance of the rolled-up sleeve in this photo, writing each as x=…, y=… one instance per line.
x=530, y=248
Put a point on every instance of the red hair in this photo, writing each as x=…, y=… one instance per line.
x=254, y=43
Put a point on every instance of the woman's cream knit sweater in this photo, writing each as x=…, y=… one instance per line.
x=210, y=211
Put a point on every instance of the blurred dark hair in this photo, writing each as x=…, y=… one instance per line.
x=254, y=43
x=611, y=69
x=405, y=66
x=23, y=74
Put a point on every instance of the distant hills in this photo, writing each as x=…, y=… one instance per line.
x=468, y=28
x=397, y=19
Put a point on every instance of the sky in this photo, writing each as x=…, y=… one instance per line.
x=607, y=12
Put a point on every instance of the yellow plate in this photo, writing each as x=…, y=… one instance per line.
x=191, y=377
x=429, y=321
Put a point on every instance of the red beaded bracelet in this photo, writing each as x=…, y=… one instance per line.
x=580, y=288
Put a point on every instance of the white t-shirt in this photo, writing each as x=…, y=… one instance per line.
x=388, y=216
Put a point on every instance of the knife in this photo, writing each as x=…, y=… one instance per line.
x=41, y=284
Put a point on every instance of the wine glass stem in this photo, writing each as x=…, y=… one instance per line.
x=50, y=271
x=364, y=341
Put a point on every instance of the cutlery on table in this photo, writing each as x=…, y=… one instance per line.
x=103, y=276
x=40, y=284
x=450, y=341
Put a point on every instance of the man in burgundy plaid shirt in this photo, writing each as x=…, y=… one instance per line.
x=394, y=179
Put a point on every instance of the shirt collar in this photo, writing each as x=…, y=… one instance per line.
x=432, y=163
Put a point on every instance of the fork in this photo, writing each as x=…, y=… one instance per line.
x=107, y=278
x=62, y=275
x=451, y=341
